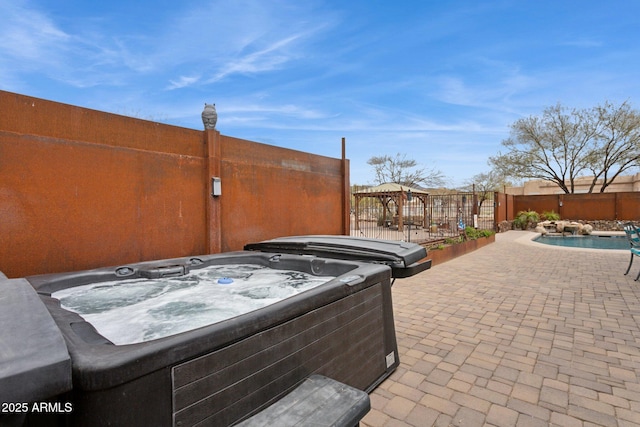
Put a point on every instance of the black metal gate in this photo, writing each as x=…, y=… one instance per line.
x=418, y=218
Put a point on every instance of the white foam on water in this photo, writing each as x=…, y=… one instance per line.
x=137, y=310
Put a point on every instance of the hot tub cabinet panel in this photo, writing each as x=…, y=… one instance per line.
x=343, y=340
x=223, y=373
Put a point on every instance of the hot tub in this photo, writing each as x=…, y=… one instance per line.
x=222, y=373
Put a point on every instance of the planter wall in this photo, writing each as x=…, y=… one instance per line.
x=439, y=256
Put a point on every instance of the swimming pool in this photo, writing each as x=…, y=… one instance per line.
x=589, y=242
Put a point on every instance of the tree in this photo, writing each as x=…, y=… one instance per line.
x=485, y=184
x=404, y=171
x=562, y=145
x=617, y=145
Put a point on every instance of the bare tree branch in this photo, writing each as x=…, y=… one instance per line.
x=404, y=171
x=564, y=144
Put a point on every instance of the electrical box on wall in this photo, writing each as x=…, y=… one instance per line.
x=216, y=186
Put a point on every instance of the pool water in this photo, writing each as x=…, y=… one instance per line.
x=138, y=310
x=590, y=242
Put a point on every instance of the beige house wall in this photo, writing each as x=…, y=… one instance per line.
x=541, y=187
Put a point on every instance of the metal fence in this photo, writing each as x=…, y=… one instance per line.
x=419, y=219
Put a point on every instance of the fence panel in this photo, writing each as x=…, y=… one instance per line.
x=588, y=207
x=501, y=207
x=538, y=203
x=584, y=206
x=423, y=218
x=628, y=206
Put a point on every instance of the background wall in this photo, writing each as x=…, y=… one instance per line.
x=269, y=191
x=623, y=183
x=588, y=207
x=82, y=189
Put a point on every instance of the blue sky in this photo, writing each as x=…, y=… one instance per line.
x=439, y=81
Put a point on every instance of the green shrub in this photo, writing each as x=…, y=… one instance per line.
x=550, y=216
x=487, y=233
x=526, y=219
x=474, y=234
x=453, y=240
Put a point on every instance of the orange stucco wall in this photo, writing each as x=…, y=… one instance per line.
x=81, y=189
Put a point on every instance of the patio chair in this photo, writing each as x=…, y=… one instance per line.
x=633, y=234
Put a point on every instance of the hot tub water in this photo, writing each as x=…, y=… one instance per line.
x=138, y=310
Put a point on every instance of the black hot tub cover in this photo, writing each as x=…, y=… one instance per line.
x=405, y=259
x=34, y=361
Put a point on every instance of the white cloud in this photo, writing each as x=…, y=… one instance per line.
x=266, y=59
x=217, y=39
x=29, y=37
x=183, y=81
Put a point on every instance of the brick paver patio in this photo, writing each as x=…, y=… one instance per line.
x=516, y=334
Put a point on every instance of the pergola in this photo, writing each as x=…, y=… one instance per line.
x=396, y=193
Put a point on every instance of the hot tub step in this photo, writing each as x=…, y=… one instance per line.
x=318, y=401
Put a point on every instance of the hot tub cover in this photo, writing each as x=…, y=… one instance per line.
x=405, y=259
x=34, y=361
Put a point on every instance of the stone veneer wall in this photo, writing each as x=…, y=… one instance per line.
x=598, y=225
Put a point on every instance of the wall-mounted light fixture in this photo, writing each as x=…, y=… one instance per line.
x=216, y=186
